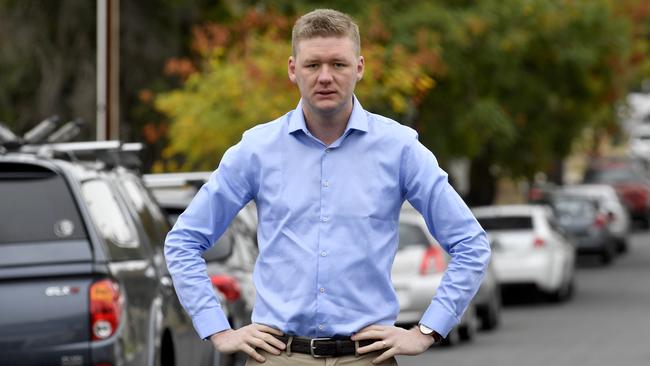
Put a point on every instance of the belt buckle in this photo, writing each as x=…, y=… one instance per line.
x=312, y=347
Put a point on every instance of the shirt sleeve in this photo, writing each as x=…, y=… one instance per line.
x=452, y=223
x=206, y=218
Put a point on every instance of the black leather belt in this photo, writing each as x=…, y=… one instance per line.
x=322, y=347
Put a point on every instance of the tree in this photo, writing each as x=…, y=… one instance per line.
x=47, y=61
x=240, y=79
x=522, y=81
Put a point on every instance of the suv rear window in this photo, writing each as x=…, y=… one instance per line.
x=506, y=223
x=36, y=206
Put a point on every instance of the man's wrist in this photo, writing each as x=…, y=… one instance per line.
x=213, y=336
x=430, y=332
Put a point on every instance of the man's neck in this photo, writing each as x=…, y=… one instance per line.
x=327, y=128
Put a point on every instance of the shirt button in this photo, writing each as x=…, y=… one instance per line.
x=321, y=327
x=322, y=290
x=326, y=183
x=325, y=219
x=327, y=150
x=323, y=254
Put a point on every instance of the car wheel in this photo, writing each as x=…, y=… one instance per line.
x=622, y=246
x=166, y=356
x=452, y=339
x=564, y=293
x=467, y=330
x=607, y=255
x=490, y=315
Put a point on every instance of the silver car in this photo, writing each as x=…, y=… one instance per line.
x=619, y=218
x=417, y=271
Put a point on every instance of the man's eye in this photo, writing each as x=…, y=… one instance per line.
x=312, y=66
x=339, y=65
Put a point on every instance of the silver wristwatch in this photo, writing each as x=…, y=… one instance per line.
x=430, y=332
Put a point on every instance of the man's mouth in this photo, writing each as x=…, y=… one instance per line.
x=325, y=92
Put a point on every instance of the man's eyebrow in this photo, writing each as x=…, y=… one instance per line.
x=333, y=59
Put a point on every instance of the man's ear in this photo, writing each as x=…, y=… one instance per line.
x=361, y=65
x=291, y=69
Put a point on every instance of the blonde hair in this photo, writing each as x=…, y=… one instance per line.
x=325, y=23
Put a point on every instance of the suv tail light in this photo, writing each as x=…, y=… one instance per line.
x=227, y=285
x=539, y=242
x=106, y=302
x=601, y=221
x=433, y=261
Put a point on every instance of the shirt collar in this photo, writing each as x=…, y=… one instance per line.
x=358, y=118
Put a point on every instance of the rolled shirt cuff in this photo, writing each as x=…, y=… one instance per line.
x=209, y=322
x=439, y=319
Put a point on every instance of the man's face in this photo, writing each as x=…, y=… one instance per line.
x=326, y=69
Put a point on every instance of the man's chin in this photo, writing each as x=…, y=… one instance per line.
x=328, y=107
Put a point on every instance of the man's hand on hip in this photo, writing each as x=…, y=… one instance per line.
x=393, y=341
x=247, y=339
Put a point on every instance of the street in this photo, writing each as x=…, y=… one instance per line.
x=606, y=323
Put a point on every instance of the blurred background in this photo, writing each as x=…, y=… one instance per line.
x=497, y=89
x=522, y=101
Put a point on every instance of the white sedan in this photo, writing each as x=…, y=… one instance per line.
x=528, y=249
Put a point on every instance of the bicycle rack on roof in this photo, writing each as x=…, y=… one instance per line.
x=45, y=141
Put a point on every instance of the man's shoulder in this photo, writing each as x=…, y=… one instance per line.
x=388, y=128
x=264, y=132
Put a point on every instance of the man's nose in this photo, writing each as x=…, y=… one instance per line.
x=325, y=74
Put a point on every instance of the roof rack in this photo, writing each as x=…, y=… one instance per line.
x=44, y=140
x=112, y=153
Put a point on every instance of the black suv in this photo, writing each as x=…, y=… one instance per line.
x=82, y=273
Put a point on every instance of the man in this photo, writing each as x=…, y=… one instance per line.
x=329, y=179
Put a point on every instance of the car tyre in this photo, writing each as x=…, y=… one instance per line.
x=452, y=339
x=490, y=315
x=166, y=355
x=622, y=246
x=468, y=329
x=607, y=255
x=564, y=293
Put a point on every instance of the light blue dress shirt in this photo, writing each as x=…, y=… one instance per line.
x=327, y=232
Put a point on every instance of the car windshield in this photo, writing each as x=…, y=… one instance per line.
x=513, y=222
x=37, y=206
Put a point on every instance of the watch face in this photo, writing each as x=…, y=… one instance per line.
x=425, y=330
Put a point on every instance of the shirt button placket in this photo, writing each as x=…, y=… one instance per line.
x=324, y=234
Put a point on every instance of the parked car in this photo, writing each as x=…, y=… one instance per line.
x=488, y=300
x=639, y=144
x=230, y=262
x=541, y=192
x=587, y=224
x=418, y=269
x=82, y=273
x=618, y=217
x=630, y=181
x=528, y=248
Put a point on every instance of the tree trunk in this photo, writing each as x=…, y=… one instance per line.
x=482, y=190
